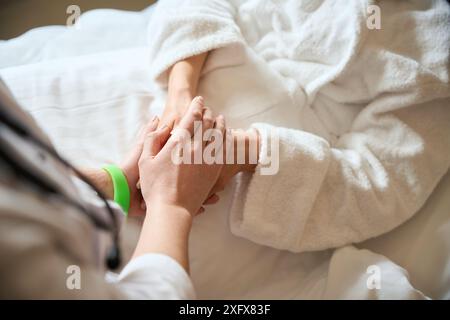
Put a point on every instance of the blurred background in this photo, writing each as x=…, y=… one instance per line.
x=19, y=16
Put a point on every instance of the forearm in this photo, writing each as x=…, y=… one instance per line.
x=183, y=81
x=101, y=180
x=166, y=231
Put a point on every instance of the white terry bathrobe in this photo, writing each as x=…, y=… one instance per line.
x=363, y=118
x=365, y=104
x=363, y=115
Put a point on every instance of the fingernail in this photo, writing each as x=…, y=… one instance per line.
x=199, y=99
x=155, y=118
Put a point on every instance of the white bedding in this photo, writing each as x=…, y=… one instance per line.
x=91, y=97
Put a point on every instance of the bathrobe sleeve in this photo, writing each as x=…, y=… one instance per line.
x=177, y=24
x=322, y=196
x=379, y=172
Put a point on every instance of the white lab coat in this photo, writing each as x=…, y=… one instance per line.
x=50, y=249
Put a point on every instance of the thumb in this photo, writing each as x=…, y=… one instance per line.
x=155, y=140
x=193, y=114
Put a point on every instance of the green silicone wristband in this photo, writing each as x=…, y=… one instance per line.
x=121, y=188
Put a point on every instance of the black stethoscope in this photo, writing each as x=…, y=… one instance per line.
x=113, y=258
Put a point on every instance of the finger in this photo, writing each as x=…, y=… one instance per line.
x=154, y=141
x=208, y=119
x=168, y=122
x=219, y=187
x=220, y=124
x=176, y=122
x=212, y=200
x=153, y=125
x=207, y=124
x=147, y=128
x=219, y=128
x=193, y=114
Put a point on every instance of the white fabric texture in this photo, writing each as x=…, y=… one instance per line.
x=384, y=163
x=84, y=101
x=157, y=277
x=371, y=107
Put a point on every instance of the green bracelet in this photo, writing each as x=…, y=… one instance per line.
x=121, y=188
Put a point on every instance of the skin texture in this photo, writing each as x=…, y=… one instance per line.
x=182, y=88
x=185, y=185
x=183, y=83
x=171, y=195
x=130, y=168
x=174, y=193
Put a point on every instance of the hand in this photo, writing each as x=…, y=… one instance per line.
x=102, y=180
x=182, y=86
x=175, y=109
x=131, y=169
x=250, y=138
x=181, y=185
x=171, y=117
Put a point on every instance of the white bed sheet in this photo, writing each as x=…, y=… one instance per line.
x=96, y=31
x=89, y=89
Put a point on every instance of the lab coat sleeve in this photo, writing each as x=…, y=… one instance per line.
x=155, y=276
x=43, y=262
x=43, y=272
x=322, y=196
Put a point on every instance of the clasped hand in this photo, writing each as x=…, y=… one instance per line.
x=155, y=179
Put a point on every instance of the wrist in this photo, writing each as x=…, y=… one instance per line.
x=121, y=186
x=101, y=180
x=131, y=178
x=179, y=99
x=160, y=210
x=165, y=230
